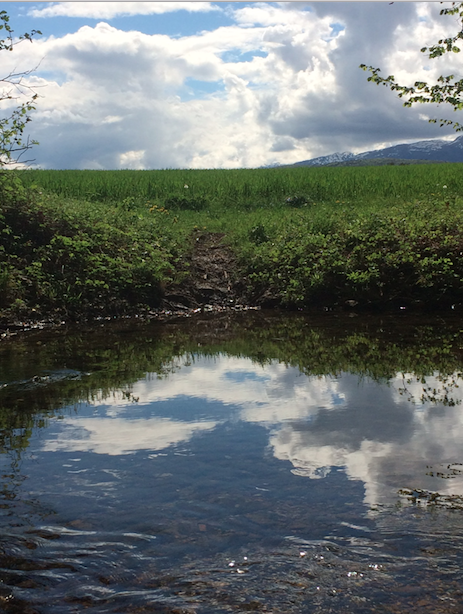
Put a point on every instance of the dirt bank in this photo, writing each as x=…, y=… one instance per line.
x=211, y=277
x=210, y=280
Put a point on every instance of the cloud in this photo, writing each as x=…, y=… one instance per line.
x=344, y=109
x=381, y=434
x=109, y=10
x=380, y=438
x=196, y=398
x=282, y=84
x=121, y=436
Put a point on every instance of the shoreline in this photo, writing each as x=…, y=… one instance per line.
x=72, y=260
x=169, y=312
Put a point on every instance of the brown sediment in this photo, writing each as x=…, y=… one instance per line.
x=209, y=280
x=211, y=277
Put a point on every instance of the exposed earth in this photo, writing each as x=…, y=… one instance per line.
x=211, y=277
x=210, y=280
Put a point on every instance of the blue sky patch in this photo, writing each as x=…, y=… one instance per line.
x=195, y=88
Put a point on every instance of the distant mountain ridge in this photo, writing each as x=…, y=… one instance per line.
x=428, y=151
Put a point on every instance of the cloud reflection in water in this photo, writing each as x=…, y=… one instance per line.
x=372, y=430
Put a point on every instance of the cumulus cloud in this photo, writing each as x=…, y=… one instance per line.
x=119, y=436
x=384, y=435
x=281, y=83
x=109, y=10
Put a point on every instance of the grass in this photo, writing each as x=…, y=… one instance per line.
x=249, y=188
x=84, y=243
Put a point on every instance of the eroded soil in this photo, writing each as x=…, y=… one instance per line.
x=211, y=277
x=211, y=280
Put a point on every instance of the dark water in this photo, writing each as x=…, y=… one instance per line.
x=255, y=462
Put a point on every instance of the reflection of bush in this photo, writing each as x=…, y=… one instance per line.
x=107, y=360
x=428, y=498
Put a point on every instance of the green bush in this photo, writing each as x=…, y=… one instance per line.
x=77, y=258
x=72, y=256
x=391, y=257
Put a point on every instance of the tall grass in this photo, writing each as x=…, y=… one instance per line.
x=252, y=187
x=97, y=242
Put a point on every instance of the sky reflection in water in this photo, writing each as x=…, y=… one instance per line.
x=382, y=434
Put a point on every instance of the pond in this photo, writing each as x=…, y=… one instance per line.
x=233, y=462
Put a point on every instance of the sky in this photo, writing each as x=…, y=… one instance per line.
x=153, y=85
x=370, y=430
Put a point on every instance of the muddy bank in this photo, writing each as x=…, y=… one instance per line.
x=211, y=278
x=210, y=281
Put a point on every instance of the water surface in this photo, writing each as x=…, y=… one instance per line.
x=255, y=462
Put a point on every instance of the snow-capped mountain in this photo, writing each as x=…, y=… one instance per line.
x=433, y=150
x=336, y=158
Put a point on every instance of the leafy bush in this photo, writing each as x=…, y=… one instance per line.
x=71, y=256
x=395, y=257
x=77, y=258
x=185, y=203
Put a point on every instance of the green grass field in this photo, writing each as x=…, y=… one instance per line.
x=85, y=242
x=252, y=187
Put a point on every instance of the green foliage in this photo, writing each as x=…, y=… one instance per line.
x=298, y=200
x=13, y=142
x=185, y=203
x=78, y=259
x=380, y=236
x=258, y=234
x=7, y=43
x=248, y=189
x=447, y=89
x=402, y=256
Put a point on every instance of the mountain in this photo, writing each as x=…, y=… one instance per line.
x=422, y=151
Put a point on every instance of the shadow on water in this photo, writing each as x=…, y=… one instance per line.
x=232, y=463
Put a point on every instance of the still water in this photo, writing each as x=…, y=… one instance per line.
x=233, y=463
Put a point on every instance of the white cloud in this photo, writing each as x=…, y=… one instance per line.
x=132, y=159
x=265, y=395
x=116, y=436
x=388, y=445
x=226, y=387
x=283, y=84
x=372, y=431
x=109, y=10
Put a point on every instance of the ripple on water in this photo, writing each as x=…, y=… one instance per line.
x=227, y=485
x=116, y=573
